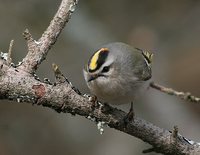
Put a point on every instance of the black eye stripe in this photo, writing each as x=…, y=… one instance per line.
x=103, y=54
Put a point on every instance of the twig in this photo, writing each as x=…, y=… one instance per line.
x=9, y=60
x=183, y=95
x=58, y=75
x=175, y=132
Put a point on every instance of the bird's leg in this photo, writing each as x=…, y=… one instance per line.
x=130, y=116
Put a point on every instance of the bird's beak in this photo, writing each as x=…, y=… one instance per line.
x=92, y=77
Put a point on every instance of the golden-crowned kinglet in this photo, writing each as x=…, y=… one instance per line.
x=117, y=72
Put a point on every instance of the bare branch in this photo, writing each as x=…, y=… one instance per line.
x=37, y=50
x=18, y=84
x=183, y=95
x=30, y=42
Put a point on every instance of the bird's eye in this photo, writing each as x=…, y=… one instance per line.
x=105, y=69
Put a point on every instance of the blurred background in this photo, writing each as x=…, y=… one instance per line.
x=169, y=29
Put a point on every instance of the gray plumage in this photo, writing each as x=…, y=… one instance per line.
x=128, y=72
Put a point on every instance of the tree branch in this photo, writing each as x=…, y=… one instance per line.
x=185, y=96
x=18, y=84
x=37, y=50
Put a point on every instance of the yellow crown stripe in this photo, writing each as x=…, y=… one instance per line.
x=93, y=62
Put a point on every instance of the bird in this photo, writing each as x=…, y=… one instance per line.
x=117, y=73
